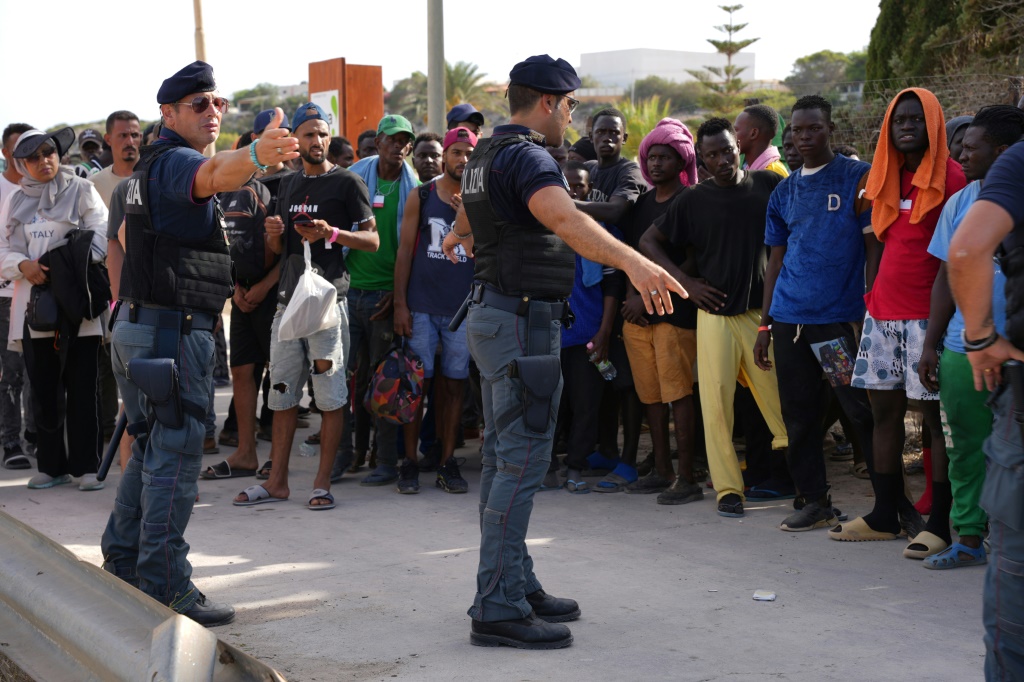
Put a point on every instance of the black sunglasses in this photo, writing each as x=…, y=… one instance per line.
x=200, y=104
x=41, y=154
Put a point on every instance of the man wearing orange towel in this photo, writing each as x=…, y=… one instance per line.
x=911, y=178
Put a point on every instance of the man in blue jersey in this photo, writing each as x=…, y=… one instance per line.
x=818, y=228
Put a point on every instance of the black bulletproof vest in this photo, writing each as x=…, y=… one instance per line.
x=1011, y=260
x=519, y=259
x=162, y=269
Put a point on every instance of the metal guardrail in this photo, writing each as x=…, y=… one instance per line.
x=64, y=619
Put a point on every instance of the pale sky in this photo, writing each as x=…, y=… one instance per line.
x=72, y=61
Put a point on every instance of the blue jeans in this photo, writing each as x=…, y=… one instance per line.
x=375, y=336
x=515, y=461
x=1003, y=498
x=143, y=543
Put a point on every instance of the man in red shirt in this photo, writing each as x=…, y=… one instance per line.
x=910, y=180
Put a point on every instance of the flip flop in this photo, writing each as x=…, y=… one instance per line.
x=17, y=462
x=224, y=470
x=759, y=492
x=858, y=531
x=257, y=494
x=320, y=494
x=577, y=487
x=950, y=557
x=930, y=543
x=617, y=480
x=260, y=475
x=313, y=439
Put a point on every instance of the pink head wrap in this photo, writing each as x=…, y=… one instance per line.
x=676, y=135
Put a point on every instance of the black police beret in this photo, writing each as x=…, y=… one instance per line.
x=544, y=74
x=196, y=77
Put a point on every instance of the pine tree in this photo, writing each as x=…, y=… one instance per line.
x=723, y=83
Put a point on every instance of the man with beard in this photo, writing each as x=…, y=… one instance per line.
x=428, y=293
x=124, y=135
x=311, y=204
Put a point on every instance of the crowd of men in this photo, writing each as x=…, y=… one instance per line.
x=818, y=290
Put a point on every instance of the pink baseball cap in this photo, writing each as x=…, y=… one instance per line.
x=458, y=135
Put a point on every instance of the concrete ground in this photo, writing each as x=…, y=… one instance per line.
x=378, y=588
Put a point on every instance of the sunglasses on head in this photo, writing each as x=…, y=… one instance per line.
x=41, y=153
x=201, y=103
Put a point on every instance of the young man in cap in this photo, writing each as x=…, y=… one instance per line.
x=167, y=311
x=253, y=305
x=466, y=116
x=311, y=206
x=90, y=144
x=428, y=293
x=513, y=185
x=390, y=181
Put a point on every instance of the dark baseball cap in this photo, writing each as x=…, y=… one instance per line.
x=308, y=112
x=89, y=135
x=196, y=77
x=465, y=112
x=545, y=74
x=264, y=118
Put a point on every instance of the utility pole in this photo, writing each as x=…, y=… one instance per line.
x=197, y=6
x=435, y=66
x=200, y=40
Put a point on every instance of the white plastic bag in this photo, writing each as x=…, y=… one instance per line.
x=313, y=305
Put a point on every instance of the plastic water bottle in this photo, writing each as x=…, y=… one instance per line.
x=605, y=367
x=308, y=450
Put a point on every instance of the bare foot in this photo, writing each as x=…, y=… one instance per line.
x=243, y=460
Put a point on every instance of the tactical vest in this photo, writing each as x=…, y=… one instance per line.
x=519, y=259
x=161, y=269
x=1011, y=260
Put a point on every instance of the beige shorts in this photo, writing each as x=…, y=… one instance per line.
x=662, y=357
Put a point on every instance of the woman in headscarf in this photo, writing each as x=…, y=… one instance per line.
x=50, y=202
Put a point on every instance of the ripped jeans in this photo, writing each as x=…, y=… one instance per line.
x=144, y=542
x=291, y=362
x=515, y=460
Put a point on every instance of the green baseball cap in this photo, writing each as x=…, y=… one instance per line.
x=392, y=124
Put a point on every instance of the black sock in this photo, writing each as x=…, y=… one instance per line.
x=942, y=503
x=888, y=490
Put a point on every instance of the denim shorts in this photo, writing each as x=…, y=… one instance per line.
x=291, y=362
x=427, y=331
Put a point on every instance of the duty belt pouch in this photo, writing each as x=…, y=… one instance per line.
x=158, y=379
x=539, y=371
x=540, y=375
x=42, y=313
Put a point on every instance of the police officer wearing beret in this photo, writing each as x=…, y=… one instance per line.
x=175, y=280
x=519, y=220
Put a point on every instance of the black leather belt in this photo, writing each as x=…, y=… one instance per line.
x=158, y=316
x=517, y=305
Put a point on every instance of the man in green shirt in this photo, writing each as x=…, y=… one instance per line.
x=390, y=180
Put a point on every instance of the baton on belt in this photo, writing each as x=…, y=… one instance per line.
x=115, y=441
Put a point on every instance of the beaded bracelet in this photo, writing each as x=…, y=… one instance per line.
x=255, y=161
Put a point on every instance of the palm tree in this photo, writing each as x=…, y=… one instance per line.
x=463, y=83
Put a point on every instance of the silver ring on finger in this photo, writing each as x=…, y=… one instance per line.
x=279, y=151
x=654, y=292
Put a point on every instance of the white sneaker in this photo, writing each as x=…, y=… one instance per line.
x=89, y=482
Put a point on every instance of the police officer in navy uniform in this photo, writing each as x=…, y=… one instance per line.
x=995, y=224
x=175, y=280
x=519, y=222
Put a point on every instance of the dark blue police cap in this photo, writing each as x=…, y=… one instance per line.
x=464, y=112
x=196, y=77
x=544, y=74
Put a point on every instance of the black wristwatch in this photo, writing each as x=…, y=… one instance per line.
x=974, y=346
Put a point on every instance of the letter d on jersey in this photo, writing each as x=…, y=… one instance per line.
x=833, y=202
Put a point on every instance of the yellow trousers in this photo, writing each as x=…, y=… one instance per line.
x=725, y=353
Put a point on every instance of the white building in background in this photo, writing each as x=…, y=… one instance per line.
x=619, y=68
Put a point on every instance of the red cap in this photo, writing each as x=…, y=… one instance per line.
x=459, y=135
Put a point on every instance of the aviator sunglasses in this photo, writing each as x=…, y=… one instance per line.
x=200, y=104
